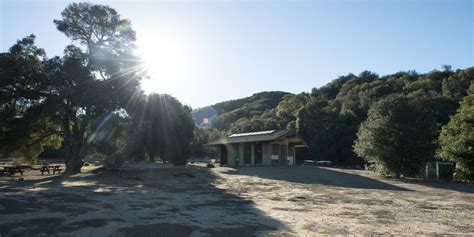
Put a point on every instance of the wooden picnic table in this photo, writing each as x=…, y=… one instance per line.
x=11, y=170
x=49, y=168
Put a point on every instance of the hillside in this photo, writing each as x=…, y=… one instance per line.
x=223, y=114
x=329, y=117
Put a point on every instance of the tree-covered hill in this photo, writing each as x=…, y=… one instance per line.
x=223, y=114
x=329, y=117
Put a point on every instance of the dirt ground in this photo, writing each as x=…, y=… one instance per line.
x=252, y=201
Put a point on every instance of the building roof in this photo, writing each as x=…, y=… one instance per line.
x=259, y=136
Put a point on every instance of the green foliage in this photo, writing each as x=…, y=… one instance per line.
x=330, y=120
x=162, y=127
x=109, y=138
x=223, y=114
x=287, y=110
x=203, y=135
x=329, y=117
x=328, y=133
x=456, y=85
x=457, y=137
x=397, y=136
x=97, y=76
x=255, y=124
x=26, y=127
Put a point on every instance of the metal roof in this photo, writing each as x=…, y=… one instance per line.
x=252, y=133
x=259, y=136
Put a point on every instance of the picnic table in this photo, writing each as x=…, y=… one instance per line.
x=54, y=168
x=11, y=170
x=309, y=162
x=326, y=163
x=319, y=163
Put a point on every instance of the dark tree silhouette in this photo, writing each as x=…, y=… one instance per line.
x=99, y=74
x=163, y=128
x=26, y=126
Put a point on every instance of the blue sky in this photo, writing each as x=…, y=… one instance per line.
x=203, y=52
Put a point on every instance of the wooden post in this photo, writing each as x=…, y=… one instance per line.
x=437, y=170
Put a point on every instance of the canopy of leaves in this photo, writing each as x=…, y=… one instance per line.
x=222, y=115
x=162, y=127
x=457, y=137
x=25, y=125
x=98, y=75
x=350, y=97
x=203, y=135
x=287, y=110
x=329, y=117
x=397, y=136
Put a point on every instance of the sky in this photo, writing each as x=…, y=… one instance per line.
x=203, y=52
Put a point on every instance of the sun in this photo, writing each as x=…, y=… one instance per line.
x=165, y=56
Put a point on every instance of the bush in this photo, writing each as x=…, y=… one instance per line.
x=457, y=138
x=397, y=136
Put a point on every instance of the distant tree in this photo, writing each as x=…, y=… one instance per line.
x=200, y=138
x=457, y=137
x=99, y=74
x=441, y=108
x=328, y=132
x=332, y=89
x=203, y=135
x=456, y=86
x=287, y=110
x=397, y=136
x=255, y=124
x=164, y=127
x=26, y=127
x=257, y=105
x=109, y=138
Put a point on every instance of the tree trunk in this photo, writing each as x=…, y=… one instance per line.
x=73, y=165
x=73, y=141
x=74, y=160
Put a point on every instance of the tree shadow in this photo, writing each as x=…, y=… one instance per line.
x=160, y=202
x=316, y=175
x=458, y=187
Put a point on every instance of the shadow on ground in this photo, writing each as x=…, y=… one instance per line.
x=160, y=202
x=317, y=175
x=459, y=187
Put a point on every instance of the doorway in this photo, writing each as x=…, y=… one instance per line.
x=247, y=154
x=258, y=153
x=223, y=155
